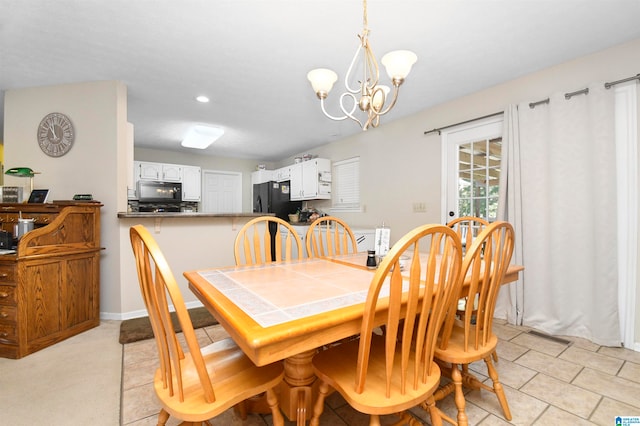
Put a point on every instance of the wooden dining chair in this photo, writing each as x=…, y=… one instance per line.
x=261, y=240
x=468, y=227
x=192, y=383
x=463, y=341
x=388, y=373
x=329, y=236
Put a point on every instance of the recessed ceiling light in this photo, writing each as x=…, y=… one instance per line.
x=202, y=99
x=201, y=137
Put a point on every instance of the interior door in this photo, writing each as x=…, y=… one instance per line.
x=222, y=192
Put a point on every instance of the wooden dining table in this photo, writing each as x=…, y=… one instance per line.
x=287, y=311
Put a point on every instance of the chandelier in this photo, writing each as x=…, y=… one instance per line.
x=373, y=96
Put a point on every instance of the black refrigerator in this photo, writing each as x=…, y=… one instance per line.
x=273, y=197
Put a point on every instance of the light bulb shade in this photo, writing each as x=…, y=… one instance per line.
x=322, y=80
x=398, y=63
x=378, y=98
x=20, y=171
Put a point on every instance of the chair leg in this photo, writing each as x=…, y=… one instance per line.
x=163, y=416
x=494, y=355
x=272, y=400
x=456, y=377
x=374, y=420
x=434, y=412
x=497, y=388
x=318, y=408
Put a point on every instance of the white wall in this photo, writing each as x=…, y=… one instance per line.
x=94, y=165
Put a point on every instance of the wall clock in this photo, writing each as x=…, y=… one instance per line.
x=55, y=134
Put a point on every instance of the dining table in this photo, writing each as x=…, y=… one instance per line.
x=287, y=311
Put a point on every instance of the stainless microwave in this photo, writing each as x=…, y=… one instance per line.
x=154, y=191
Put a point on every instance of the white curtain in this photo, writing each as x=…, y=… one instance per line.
x=561, y=198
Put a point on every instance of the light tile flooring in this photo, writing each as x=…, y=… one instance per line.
x=547, y=383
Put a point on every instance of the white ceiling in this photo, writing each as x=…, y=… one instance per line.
x=251, y=57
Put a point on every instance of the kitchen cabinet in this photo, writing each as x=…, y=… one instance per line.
x=283, y=174
x=262, y=176
x=191, y=183
x=158, y=171
x=311, y=180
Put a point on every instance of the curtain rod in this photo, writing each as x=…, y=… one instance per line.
x=534, y=104
x=462, y=122
x=586, y=90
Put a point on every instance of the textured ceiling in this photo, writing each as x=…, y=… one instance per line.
x=251, y=57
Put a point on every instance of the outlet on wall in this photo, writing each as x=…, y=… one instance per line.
x=419, y=207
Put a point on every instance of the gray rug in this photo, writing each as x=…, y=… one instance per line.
x=140, y=328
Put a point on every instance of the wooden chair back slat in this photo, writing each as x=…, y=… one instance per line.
x=158, y=286
x=330, y=236
x=253, y=244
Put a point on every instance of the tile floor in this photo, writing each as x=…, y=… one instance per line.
x=547, y=383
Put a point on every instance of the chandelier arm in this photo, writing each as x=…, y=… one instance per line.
x=396, y=90
x=349, y=114
x=329, y=115
x=348, y=75
x=371, y=64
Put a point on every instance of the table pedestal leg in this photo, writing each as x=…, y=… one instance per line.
x=299, y=389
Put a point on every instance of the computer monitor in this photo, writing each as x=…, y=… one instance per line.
x=38, y=196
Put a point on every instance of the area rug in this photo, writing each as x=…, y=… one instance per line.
x=140, y=328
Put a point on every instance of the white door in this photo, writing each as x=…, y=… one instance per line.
x=471, y=172
x=222, y=192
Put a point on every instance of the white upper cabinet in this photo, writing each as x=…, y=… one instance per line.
x=191, y=183
x=283, y=174
x=158, y=171
x=311, y=180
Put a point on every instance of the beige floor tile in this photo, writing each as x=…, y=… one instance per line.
x=492, y=420
x=509, y=373
x=621, y=353
x=554, y=367
x=592, y=360
x=555, y=417
x=609, y=409
x=582, y=343
x=630, y=371
x=617, y=388
x=524, y=408
x=568, y=397
x=505, y=331
x=138, y=403
x=510, y=351
x=539, y=344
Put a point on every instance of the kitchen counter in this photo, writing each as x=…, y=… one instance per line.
x=187, y=214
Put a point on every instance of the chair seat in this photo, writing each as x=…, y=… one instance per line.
x=455, y=352
x=337, y=367
x=232, y=366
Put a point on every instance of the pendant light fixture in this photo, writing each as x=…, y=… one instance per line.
x=374, y=99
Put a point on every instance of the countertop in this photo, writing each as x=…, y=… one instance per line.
x=125, y=215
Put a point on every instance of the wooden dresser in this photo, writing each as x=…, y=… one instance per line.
x=50, y=288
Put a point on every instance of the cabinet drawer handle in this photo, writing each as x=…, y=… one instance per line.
x=4, y=295
x=3, y=314
x=4, y=275
x=4, y=334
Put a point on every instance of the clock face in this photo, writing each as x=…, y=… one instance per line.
x=55, y=134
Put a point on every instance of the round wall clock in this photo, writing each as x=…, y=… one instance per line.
x=55, y=134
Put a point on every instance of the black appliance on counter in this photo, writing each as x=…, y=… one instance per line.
x=274, y=197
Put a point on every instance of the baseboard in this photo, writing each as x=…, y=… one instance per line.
x=140, y=313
